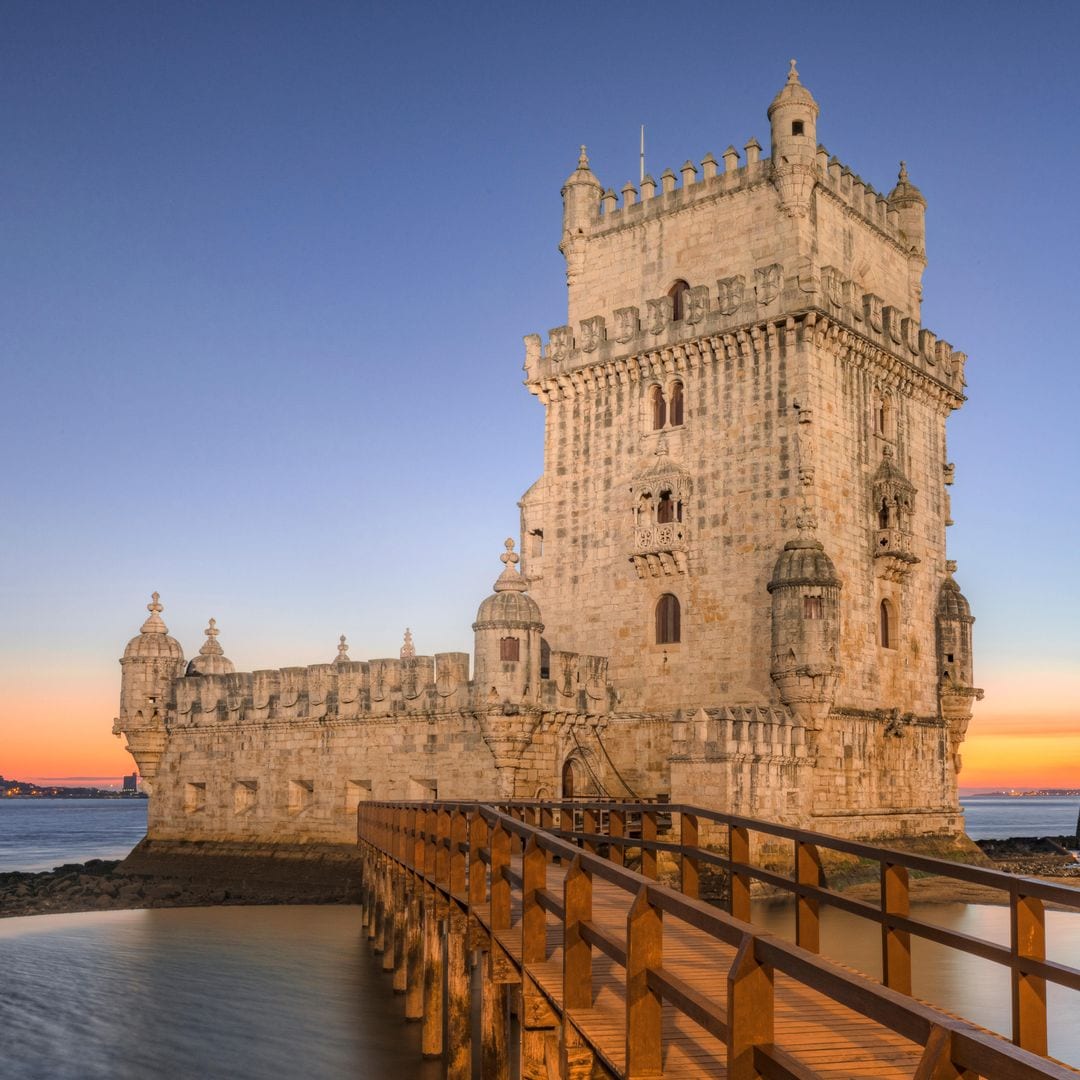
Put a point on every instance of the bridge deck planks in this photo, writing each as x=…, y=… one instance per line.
x=832, y=1040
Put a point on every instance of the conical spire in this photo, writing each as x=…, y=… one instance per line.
x=510, y=580
x=342, y=651
x=154, y=624
x=408, y=649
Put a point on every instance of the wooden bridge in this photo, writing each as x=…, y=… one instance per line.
x=533, y=910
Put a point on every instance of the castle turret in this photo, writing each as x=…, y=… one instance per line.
x=805, y=590
x=793, y=116
x=148, y=667
x=581, y=210
x=507, y=640
x=956, y=693
x=211, y=659
x=908, y=202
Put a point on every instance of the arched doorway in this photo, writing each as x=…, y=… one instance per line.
x=568, y=780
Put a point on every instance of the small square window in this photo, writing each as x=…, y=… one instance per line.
x=301, y=795
x=245, y=795
x=796, y=127
x=813, y=607
x=509, y=649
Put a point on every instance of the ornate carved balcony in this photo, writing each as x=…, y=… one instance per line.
x=660, y=549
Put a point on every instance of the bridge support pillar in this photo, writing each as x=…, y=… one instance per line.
x=432, y=1038
x=414, y=953
x=539, y=1027
x=495, y=1056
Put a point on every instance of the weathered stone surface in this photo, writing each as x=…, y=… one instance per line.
x=733, y=588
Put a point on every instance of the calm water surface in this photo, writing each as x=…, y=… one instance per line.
x=38, y=834
x=201, y=993
x=991, y=819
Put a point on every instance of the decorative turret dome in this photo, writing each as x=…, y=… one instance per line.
x=153, y=641
x=793, y=93
x=952, y=604
x=211, y=659
x=803, y=562
x=583, y=174
x=508, y=605
x=905, y=193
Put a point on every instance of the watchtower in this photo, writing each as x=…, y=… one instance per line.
x=743, y=391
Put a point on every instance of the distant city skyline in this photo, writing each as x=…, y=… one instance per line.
x=222, y=222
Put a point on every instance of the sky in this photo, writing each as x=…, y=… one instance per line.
x=266, y=269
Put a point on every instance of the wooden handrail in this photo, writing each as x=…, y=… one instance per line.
x=438, y=842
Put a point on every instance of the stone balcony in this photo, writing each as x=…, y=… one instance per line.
x=660, y=549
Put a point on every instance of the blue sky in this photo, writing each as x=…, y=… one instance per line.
x=266, y=269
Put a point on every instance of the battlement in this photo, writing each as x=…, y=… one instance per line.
x=735, y=313
x=691, y=189
x=385, y=687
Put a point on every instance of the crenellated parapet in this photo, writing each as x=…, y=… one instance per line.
x=740, y=319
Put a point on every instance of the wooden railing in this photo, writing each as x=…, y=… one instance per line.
x=444, y=873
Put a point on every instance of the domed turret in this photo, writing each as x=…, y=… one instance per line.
x=211, y=659
x=907, y=200
x=153, y=641
x=581, y=210
x=805, y=590
x=954, y=621
x=793, y=119
x=148, y=667
x=507, y=639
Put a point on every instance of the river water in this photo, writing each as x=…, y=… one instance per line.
x=236, y=993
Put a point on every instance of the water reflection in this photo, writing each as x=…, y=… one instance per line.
x=202, y=993
x=965, y=985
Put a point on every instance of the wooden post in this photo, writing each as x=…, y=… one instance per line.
x=414, y=953
x=432, y=1037
x=1028, y=936
x=380, y=908
x=648, y=832
x=807, y=909
x=459, y=837
x=500, y=887
x=538, y=1022
x=739, y=889
x=936, y=1062
x=401, y=919
x=617, y=830
x=588, y=827
x=689, y=878
x=495, y=1051
x=577, y=953
x=895, y=944
x=750, y=1010
x=478, y=841
x=390, y=921
x=458, y=997
x=644, y=1009
x=442, y=849
x=533, y=916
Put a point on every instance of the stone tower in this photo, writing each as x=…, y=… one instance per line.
x=742, y=406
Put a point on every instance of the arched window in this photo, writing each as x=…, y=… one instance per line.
x=675, y=409
x=509, y=648
x=813, y=607
x=668, y=631
x=883, y=515
x=644, y=509
x=887, y=625
x=676, y=293
x=665, y=508
x=659, y=408
x=545, y=659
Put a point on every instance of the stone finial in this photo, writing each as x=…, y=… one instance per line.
x=510, y=580
x=408, y=649
x=902, y=175
x=211, y=646
x=154, y=624
x=342, y=651
x=793, y=74
x=583, y=158
x=950, y=566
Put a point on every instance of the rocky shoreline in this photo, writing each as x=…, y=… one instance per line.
x=157, y=875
